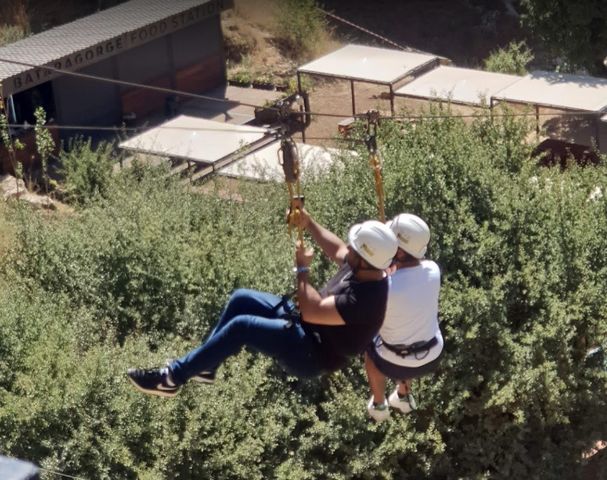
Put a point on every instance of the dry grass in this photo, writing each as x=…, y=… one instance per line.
x=252, y=48
x=14, y=21
x=260, y=13
x=14, y=13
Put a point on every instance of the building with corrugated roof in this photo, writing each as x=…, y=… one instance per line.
x=174, y=44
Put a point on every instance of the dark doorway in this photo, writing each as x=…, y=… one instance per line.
x=26, y=103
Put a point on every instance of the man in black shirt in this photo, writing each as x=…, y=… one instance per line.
x=334, y=324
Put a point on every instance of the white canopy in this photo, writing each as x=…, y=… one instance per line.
x=195, y=139
x=263, y=163
x=558, y=90
x=368, y=64
x=458, y=85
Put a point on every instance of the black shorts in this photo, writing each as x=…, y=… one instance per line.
x=398, y=372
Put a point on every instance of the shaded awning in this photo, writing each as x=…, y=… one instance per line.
x=558, y=90
x=263, y=164
x=458, y=85
x=369, y=64
x=195, y=139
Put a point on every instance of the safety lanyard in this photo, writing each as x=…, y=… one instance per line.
x=375, y=161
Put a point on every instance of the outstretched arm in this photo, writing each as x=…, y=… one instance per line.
x=313, y=308
x=331, y=245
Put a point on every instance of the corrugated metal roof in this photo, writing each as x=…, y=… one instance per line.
x=58, y=42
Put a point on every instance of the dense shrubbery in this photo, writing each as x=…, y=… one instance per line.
x=298, y=27
x=139, y=274
x=10, y=34
x=86, y=170
x=513, y=59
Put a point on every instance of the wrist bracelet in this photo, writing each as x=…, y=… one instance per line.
x=298, y=270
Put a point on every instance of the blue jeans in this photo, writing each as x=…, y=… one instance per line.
x=250, y=319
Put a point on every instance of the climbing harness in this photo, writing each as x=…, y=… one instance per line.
x=374, y=160
x=291, y=311
x=404, y=350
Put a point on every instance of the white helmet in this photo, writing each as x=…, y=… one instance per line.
x=412, y=233
x=374, y=242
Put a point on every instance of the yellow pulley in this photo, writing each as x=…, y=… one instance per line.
x=289, y=160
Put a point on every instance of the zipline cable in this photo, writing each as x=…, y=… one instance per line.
x=245, y=104
x=270, y=130
x=124, y=82
x=59, y=474
x=369, y=32
x=136, y=129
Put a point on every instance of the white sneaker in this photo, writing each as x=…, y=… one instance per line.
x=405, y=404
x=380, y=412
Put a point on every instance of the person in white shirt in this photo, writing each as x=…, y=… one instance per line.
x=409, y=343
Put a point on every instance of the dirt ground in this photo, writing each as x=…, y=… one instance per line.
x=463, y=31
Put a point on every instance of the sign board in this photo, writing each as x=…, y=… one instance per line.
x=101, y=51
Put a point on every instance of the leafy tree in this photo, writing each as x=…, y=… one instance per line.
x=45, y=145
x=513, y=59
x=298, y=26
x=86, y=169
x=10, y=34
x=12, y=145
x=576, y=32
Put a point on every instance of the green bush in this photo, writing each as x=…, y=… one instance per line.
x=86, y=169
x=140, y=274
x=10, y=34
x=513, y=59
x=298, y=26
x=152, y=257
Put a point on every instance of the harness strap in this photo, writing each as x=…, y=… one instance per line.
x=404, y=350
x=291, y=313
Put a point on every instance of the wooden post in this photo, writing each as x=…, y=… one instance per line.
x=353, y=98
x=597, y=131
